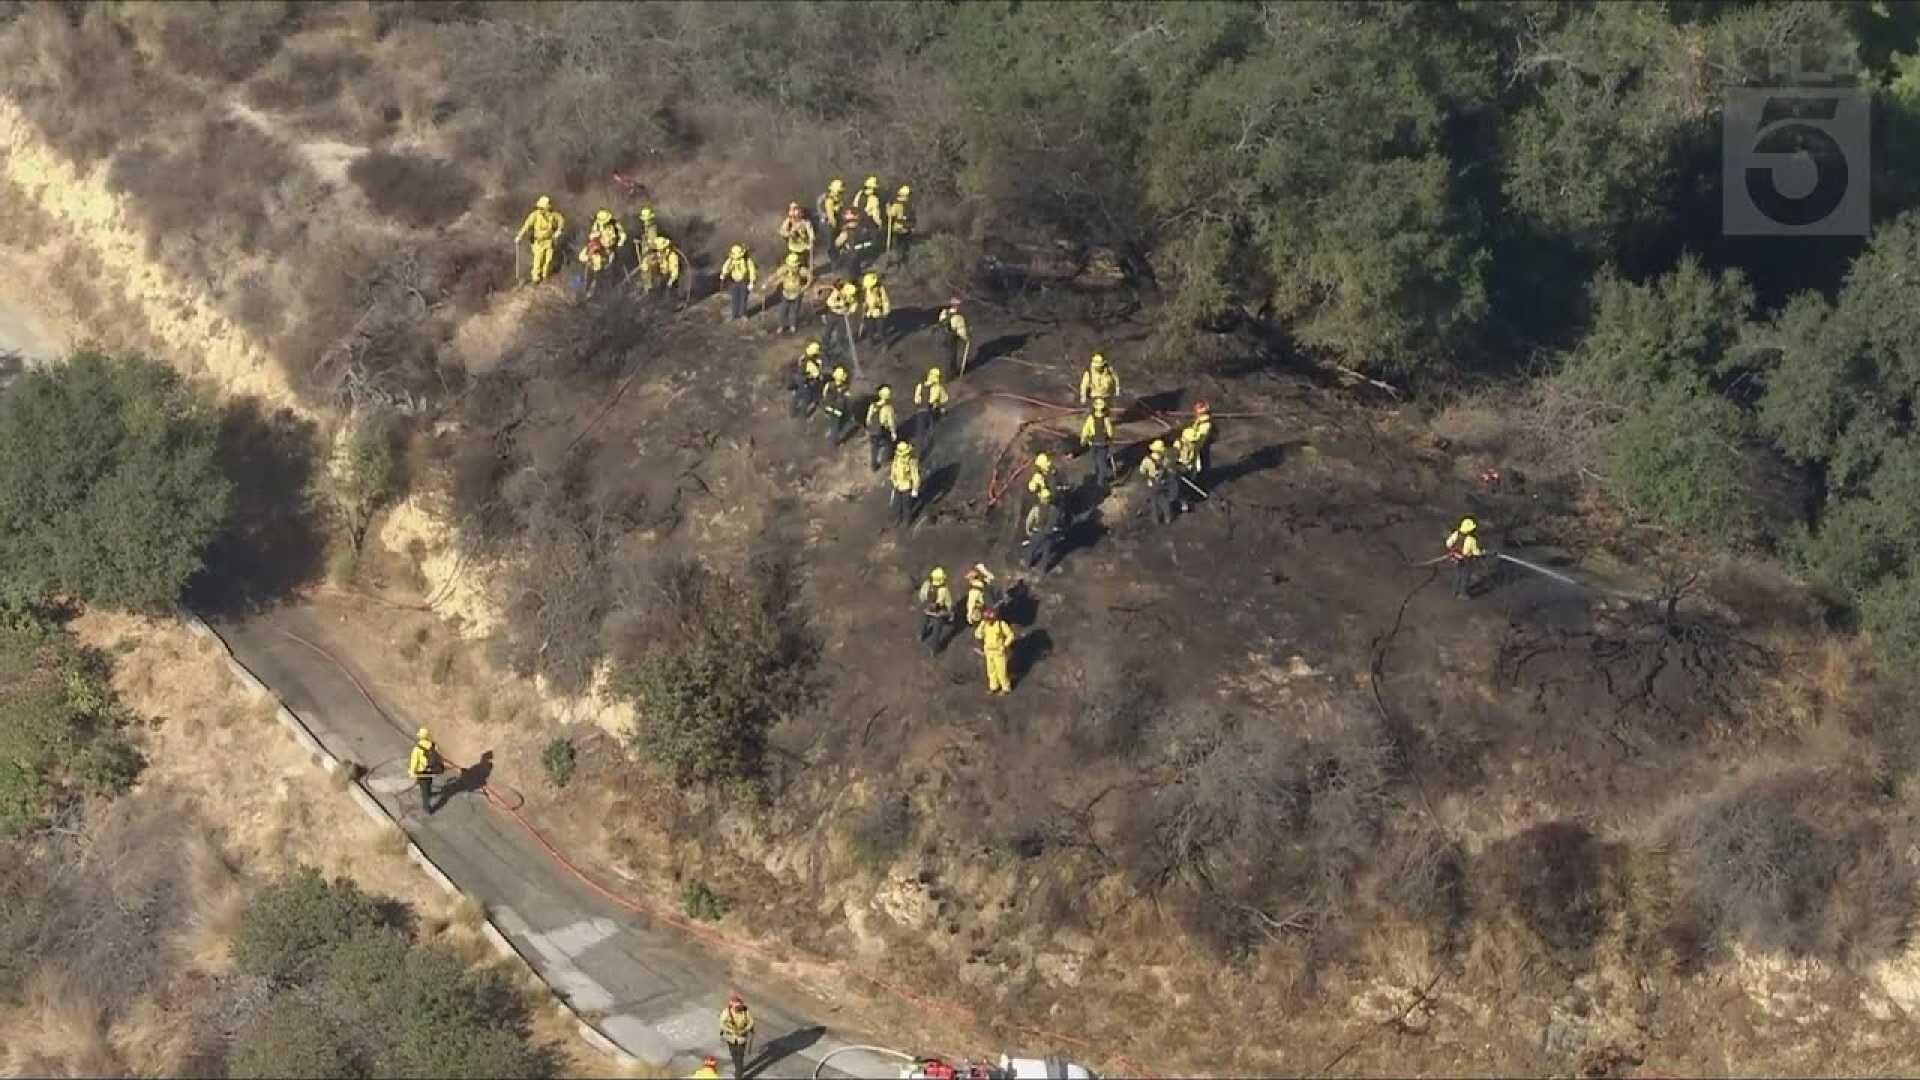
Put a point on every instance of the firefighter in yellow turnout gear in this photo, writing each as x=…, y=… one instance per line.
x=1097, y=436
x=660, y=267
x=794, y=279
x=1463, y=547
x=960, y=340
x=904, y=480
x=882, y=431
x=868, y=201
x=899, y=220
x=545, y=224
x=423, y=764
x=1099, y=382
x=996, y=639
x=875, y=307
x=930, y=400
x=936, y=610
x=604, y=241
x=797, y=233
x=738, y=274
x=979, y=581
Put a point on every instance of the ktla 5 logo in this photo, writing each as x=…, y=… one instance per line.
x=1796, y=162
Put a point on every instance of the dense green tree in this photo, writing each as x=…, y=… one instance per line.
x=60, y=726
x=109, y=491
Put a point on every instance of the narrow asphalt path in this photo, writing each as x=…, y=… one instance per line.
x=652, y=989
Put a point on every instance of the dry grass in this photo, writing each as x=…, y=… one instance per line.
x=58, y=1030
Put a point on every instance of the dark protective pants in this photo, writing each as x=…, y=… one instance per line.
x=923, y=422
x=425, y=784
x=1161, y=499
x=1462, y=577
x=839, y=425
x=880, y=441
x=902, y=502
x=1040, y=549
x=958, y=357
x=738, y=1051
x=789, y=313
x=739, y=290
x=872, y=327
x=934, y=630
x=1102, y=464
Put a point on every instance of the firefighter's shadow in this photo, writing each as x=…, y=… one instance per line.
x=907, y=321
x=989, y=351
x=1166, y=401
x=1028, y=650
x=938, y=483
x=1088, y=530
x=1019, y=606
x=783, y=1047
x=471, y=779
x=1259, y=461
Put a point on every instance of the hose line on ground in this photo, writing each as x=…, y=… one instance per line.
x=848, y=1049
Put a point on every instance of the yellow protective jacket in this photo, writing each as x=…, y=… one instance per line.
x=1187, y=454
x=543, y=224
x=1097, y=429
x=839, y=304
x=794, y=281
x=899, y=220
x=606, y=239
x=976, y=601
x=1463, y=545
x=1203, y=425
x=955, y=323
x=931, y=394
x=1102, y=384
x=877, y=306
x=869, y=204
x=1039, y=481
x=1152, y=466
x=828, y=207
x=735, y=1027
x=798, y=233
x=424, y=761
x=704, y=1072
x=740, y=269
x=905, y=475
x=662, y=264
x=936, y=599
x=995, y=637
x=880, y=417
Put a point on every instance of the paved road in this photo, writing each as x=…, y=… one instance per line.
x=659, y=992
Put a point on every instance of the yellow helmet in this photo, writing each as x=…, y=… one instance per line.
x=423, y=735
x=871, y=183
x=938, y=575
x=849, y=289
x=1041, y=463
x=903, y=192
x=870, y=279
x=813, y=348
x=1099, y=361
x=602, y=217
x=543, y=203
x=793, y=209
x=835, y=186
x=646, y=213
x=885, y=393
x=736, y=252
x=1467, y=525
x=661, y=243
x=933, y=375
x=903, y=448
x=793, y=258
x=1157, y=446
x=840, y=375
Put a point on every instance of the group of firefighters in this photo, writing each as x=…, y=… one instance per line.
x=856, y=308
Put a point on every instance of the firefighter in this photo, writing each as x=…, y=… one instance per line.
x=899, y=220
x=1163, y=482
x=803, y=382
x=843, y=302
x=604, y=241
x=546, y=224
x=936, y=610
x=853, y=244
x=794, y=278
x=738, y=274
x=1186, y=452
x=1042, y=481
x=868, y=201
x=423, y=764
x=1463, y=547
x=979, y=585
x=905, y=482
x=930, y=401
x=736, y=1030
x=1097, y=436
x=797, y=232
x=1203, y=440
x=647, y=232
x=835, y=404
x=996, y=641
x=961, y=341
x=826, y=208
x=1045, y=526
x=660, y=269
x=881, y=430
x=1099, y=381
x=709, y=1069
x=874, y=309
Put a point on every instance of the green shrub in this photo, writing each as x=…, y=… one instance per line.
x=558, y=759
x=1679, y=460
x=368, y=474
x=698, y=901
x=291, y=928
x=61, y=728
x=109, y=490
x=290, y=1040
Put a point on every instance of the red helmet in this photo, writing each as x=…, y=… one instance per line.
x=990, y=613
x=1199, y=408
x=710, y=1062
x=735, y=999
